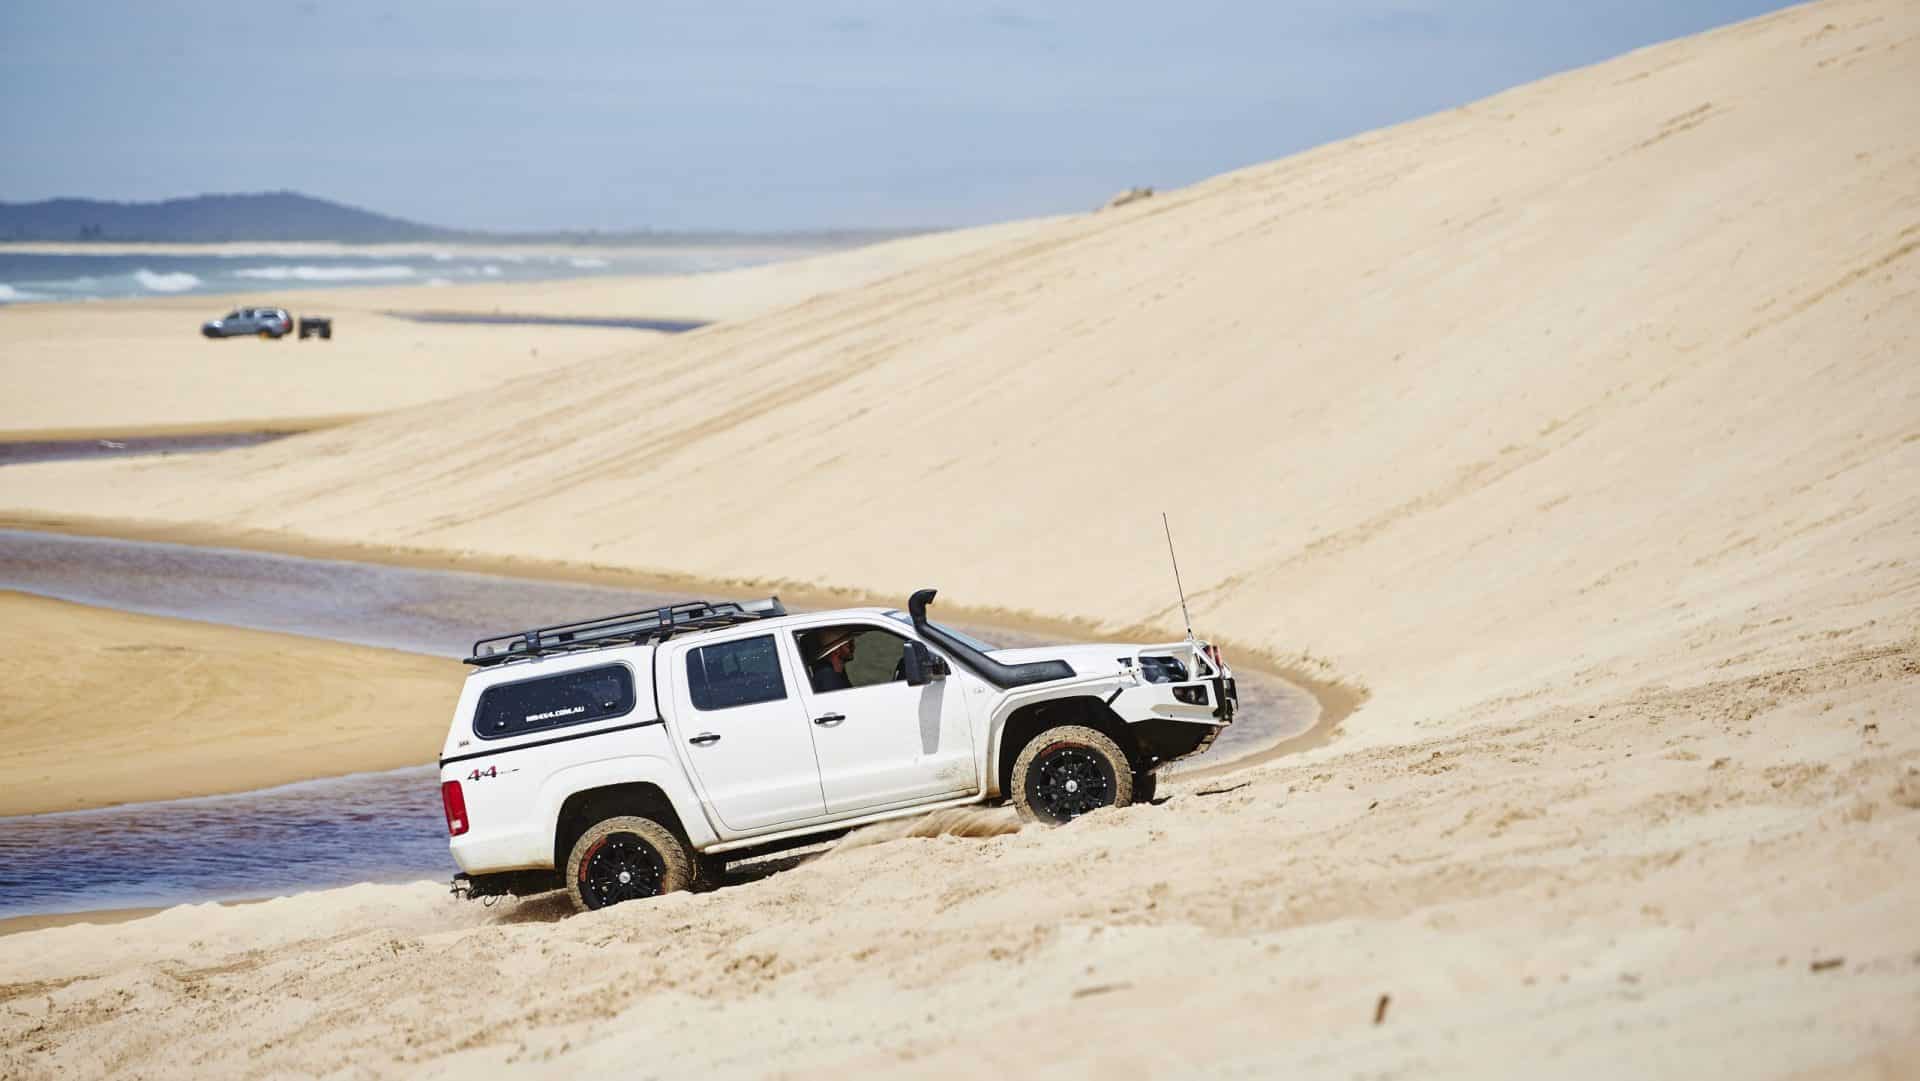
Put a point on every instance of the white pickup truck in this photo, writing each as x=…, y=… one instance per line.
x=634, y=755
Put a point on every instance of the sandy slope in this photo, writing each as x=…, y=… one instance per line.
x=138, y=366
x=1581, y=426
x=100, y=707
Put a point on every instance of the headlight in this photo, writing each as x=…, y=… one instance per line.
x=1163, y=670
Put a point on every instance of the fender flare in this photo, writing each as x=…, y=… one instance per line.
x=650, y=769
x=1004, y=710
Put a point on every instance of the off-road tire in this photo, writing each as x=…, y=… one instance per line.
x=1037, y=785
x=630, y=835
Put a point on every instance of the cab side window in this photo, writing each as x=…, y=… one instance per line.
x=732, y=674
x=849, y=656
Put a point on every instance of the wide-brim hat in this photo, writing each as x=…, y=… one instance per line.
x=831, y=641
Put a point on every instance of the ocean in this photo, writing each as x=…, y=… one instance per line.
x=265, y=271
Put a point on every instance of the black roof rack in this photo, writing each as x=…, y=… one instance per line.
x=626, y=629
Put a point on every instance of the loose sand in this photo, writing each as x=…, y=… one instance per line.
x=1580, y=425
x=100, y=707
x=138, y=367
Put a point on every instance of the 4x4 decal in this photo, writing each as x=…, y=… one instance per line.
x=490, y=771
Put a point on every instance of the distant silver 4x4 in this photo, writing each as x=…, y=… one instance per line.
x=266, y=322
x=634, y=755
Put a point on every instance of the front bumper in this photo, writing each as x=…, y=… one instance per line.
x=1226, y=694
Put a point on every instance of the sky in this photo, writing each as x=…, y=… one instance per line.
x=745, y=115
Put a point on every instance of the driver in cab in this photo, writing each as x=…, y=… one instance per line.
x=830, y=660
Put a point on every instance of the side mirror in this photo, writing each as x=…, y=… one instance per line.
x=920, y=666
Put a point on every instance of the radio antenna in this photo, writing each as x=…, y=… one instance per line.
x=1184, y=614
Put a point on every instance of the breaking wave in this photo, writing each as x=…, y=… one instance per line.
x=326, y=273
x=178, y=281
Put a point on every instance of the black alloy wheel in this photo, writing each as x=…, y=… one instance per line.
x=621, y=867
x=626, y=858
x=1068, y=780
x=1066, y=771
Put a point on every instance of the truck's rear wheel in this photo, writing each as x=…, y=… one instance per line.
x=1065, y=772
x=626, y=858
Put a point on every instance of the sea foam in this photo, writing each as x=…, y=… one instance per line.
x=326, y=273
x=178, y=281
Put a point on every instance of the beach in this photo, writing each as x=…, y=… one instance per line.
x=1570, y=439
x=177, y=708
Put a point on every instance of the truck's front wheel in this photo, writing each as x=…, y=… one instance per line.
x=1064, y=772
x=626, y=858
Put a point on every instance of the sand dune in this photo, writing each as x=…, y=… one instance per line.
x=1579, y=425
x=100, y=707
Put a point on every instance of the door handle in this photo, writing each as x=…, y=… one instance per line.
x=828, y=720
x=704, y=738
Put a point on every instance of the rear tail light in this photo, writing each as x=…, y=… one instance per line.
x=455, y=804
x=1213, y=654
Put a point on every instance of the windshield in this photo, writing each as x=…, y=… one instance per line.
x=964, y=639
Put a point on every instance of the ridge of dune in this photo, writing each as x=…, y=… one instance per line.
x=1579, y=424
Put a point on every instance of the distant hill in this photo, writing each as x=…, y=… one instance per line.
x=278, y=215
x=289, y=215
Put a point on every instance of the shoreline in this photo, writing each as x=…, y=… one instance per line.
x=278, y=425
x=93, y=917
x=103, y=917
x=417, y=248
